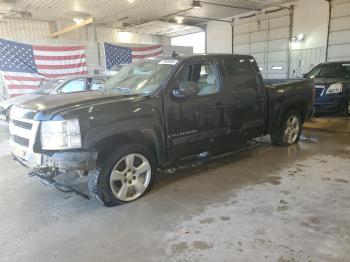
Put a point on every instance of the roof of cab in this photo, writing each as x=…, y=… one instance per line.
x=182, y=57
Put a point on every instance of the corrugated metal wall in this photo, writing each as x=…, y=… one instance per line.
x=266, y=37
x=339, y=38
x=303, y=60
x=24, y=29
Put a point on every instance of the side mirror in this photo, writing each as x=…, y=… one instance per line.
x=304, y=75
x=186, y=89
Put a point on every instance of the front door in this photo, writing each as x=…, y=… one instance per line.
x=197, y=123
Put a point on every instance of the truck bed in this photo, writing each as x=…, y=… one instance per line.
x=280, y=92
x=270, y=82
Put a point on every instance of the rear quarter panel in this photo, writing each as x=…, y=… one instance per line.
x=287, y=95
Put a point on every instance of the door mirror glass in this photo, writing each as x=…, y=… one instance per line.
x=186, y=89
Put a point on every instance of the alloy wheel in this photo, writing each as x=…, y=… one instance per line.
x=130, y=177
x=292, y=129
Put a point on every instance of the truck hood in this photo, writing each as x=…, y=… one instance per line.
x=52, y=104
x=18, y=100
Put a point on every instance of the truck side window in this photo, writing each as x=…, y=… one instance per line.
x=240, y=73
x=204, y=75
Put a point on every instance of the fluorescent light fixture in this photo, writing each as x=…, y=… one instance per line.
x=277, y=68
x=301, y=37
x=179, y=19
x=78, y=20
x=196, y=4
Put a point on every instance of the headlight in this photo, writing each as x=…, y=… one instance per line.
x=56, y=135
x=335, y=88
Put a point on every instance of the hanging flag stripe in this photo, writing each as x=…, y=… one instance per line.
x=57, y=48
x=145, y=56
x=139, y=54
x=59, y=54
x=67, y=74
x=21, y=78
x=58, y=58
x=21, y=86
x=63, y=66
x=148, y=48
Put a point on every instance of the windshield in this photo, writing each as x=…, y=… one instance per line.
x=48, y=85
x=338, y=70
x=142, y=77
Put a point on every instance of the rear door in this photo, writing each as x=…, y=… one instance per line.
x=245, y=97
x=196, y=124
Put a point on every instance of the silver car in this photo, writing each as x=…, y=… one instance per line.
x=64, y=84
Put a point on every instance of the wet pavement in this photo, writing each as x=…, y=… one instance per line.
x=265, y=204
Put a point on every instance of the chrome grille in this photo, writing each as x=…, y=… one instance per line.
x=319, y=91
x=20, y=140
x=23, y=130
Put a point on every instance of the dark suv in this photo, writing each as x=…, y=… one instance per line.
x=332, y=84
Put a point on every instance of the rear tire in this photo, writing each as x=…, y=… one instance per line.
x=126, y=175
x=288, y=130
x=346, y=111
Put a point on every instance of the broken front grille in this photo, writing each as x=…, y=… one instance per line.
x=23, y=128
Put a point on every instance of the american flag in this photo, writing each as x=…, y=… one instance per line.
x=116, y=55
x=23, y=66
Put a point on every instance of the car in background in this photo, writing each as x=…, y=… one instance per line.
x=332, y=87
x=64, y=84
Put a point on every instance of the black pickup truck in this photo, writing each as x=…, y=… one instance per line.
x=154, y=114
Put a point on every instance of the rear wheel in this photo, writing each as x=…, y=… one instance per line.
x=346, y=111
x=288, y=130
x=127, y=175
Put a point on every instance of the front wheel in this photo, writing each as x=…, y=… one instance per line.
x=127, y=174
x=288, y=130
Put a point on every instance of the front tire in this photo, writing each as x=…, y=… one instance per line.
x=126, y=175
x=288, y=130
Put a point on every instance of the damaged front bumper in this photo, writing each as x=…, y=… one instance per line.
x=78, y=161
x=47, y=168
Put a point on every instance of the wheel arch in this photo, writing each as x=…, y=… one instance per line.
x=297, y=105
x=150, y=138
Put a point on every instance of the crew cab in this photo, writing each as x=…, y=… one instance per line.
x=154, y=114
x=332, y=83
x=53, y=86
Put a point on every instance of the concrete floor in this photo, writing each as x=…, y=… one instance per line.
x=267, y=204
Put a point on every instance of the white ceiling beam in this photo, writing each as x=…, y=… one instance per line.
x=72, y=27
